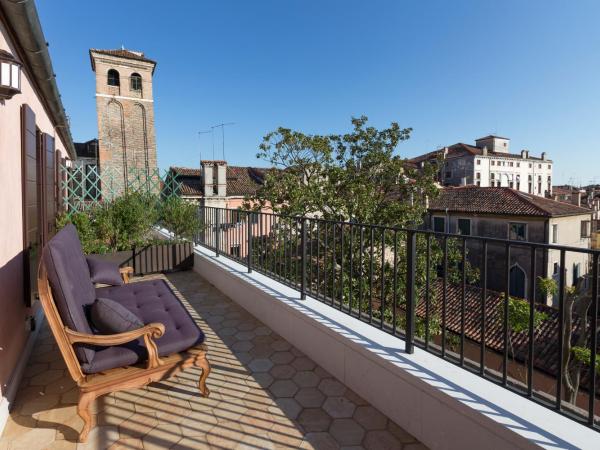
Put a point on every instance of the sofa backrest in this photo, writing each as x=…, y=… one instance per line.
x=72, y=288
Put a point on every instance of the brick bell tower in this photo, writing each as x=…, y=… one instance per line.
x=125, y=109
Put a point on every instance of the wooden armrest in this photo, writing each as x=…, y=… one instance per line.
x=126, y=273
x=149, y=332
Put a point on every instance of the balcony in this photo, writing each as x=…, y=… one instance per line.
x=304, y=356
x=265, y=393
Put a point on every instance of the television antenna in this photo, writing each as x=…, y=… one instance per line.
x=222, y=126
x=200, y=133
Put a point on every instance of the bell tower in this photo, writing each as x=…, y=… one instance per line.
x=125, y=109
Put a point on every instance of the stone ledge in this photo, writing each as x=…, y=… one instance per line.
x=442, y=405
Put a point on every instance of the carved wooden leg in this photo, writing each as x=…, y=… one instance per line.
x=83, y=409
x=203, y=363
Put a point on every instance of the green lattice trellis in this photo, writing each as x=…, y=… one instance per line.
x=85, y=186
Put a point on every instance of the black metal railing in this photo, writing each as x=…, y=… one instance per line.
x=480, y=303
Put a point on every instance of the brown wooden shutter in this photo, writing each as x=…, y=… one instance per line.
x=57, y=177
x=49, y=187
x=31, y=205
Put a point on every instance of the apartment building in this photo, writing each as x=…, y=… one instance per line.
x=504, y=213
x=489, y=163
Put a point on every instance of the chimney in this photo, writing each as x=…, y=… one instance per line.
x=484, y=152
x=577, y=197
x=524, y=154
x=445, y=152
x=543, y=156
x=208, y=178
x=221, y=178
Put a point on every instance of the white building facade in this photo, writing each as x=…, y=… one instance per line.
x=490, y=164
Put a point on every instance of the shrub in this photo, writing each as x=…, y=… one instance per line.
x=180, y=217
x=126, y=221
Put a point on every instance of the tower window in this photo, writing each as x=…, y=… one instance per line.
x=113, y=78
x=136, y=82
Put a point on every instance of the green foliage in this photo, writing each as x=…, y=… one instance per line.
x=127, y=221
x=583, y=355
x=518, y=315
x=180, y=217
x=547, y=286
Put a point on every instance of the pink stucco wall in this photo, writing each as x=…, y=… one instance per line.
x=13, y=332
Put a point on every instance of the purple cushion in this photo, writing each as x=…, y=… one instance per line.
x=70, y=283
x=151, y=301
x=104, y=272
x=109, y=317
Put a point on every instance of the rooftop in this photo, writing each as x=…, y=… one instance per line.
x=121, y=53
x=500, y=201
x=241, y=181
x=266, y=394
x=461, y=149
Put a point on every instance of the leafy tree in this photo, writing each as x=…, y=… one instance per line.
x=357, y=178
x=518, y=320
x=180, y=217
x=576, y=355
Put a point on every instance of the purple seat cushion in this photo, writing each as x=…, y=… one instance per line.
x=72, y=289
x=151, y=301
x=104, y=272
x=110, y=317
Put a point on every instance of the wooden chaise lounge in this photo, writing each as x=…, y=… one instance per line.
x=168, y=342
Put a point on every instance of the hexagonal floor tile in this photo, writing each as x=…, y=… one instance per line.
x=314, y=419
x=310, y=397
x=347, y=432
x=283, y=388
x=339, y=407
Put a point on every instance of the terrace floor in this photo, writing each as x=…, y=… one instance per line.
x=265, y=394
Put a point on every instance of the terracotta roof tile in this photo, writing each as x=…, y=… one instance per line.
x=502, y=201
x=241, y=181
x=545, y=336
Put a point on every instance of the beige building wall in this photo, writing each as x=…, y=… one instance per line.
x=13, y=313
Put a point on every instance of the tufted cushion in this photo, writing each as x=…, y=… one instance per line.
x=110, y=317
x=70, y=282
x=151, y=301
x=105, y=272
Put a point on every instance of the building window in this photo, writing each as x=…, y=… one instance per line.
x=478, y=162
x=517, y=231
x=530, y=188
x=493, y=162
x=492, y=176
x=464, y=227
x=555, y=269
x=530, y=165
x=135, y=82
x=539, y=166
x=555, y=233
x=586, y=226
x=511, y=164
x=478, y=183
x=539, y=188
x=478, y=175
x=518, y=186
x=517, y=282
x=518, y=164
x=439, y=224
x=448, y=174
x=549, y=167
x=576, y=273
x=113, y=78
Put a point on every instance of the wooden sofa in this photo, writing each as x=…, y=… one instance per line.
x=169, y=342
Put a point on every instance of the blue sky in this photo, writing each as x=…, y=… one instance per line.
x=451, y=70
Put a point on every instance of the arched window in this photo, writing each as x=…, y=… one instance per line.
x=517, y=281
x=113, y=78
x=135, y=82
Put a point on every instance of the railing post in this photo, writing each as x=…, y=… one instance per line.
x=303, y=259
x=249, y=250
x=217, y=226
x=411, y=259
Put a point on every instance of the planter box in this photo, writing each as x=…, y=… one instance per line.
x=154, y=258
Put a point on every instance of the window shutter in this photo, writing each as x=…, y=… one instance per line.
x=30, y=202
x=49, y=187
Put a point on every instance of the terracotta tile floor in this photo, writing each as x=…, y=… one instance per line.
x=265, y=394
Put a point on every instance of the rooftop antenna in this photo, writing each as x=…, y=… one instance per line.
x=222, y=125
x=200, y=133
